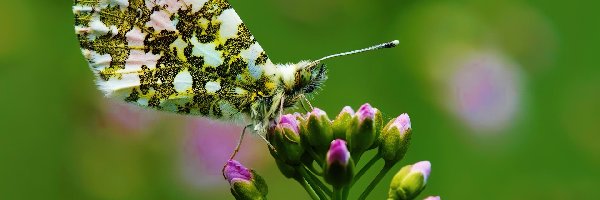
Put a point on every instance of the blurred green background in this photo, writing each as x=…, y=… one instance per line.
x=504, y=98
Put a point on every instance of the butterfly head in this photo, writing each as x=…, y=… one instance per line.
x=309, y=77
x=301, y=78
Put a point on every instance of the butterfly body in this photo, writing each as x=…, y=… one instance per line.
x=191, y=57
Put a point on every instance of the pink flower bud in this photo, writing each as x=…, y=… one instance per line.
x=289, y=121
x=402, y=123
x=366, y=112
x=338, y=153
x=235, y=171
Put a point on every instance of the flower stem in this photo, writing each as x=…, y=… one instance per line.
x=337, y=194
x=314, y=170
x=380, y=175
x=308, y=189
x=346, y=191
x=312, y=183
x=315, y=156
x=365, y=168
x=320, y=184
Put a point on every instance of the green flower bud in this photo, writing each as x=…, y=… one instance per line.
x=285, y=137
x=363, y=131
x=409, y=181
x=339, y=167
x=317, y=130
x=245, y=184
x=342, y=122
x=395, y=139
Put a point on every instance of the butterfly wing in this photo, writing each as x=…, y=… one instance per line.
x=185, y=56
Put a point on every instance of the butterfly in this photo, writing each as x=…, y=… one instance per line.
x=193, y=57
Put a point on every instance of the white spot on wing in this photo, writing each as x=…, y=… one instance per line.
x=240, y=91
x=229, y=23
x=97, y=61
x=159, y=20
x=211, y=56
x=81, y=8
x=212, y=87
x=183, y=81
x=137, y=58
x=135, y=37
x=228, y=110
x=79, y=30
x=115, y=84
x=142, y=101
x=98, y=28
x=251, y=54
x=180, y=45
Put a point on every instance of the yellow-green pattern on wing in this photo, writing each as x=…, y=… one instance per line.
x=188, y=56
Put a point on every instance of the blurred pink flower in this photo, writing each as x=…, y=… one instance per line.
x=207, y=147
x=129, y=117
x=485, y=91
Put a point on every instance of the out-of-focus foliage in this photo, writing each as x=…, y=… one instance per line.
x=506, y=94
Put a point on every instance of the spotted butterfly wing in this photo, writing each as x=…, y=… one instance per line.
x=185, y=56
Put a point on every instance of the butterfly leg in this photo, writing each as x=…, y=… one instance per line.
x=307, y=102
x=237, y=148
x=303, y=106
x=239, y=144
x=268, y=143
x=281, y=106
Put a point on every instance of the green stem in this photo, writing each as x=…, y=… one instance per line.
x=382, y=173
x=337, y=194
x=312, y=169
x=346, y=192
x=365, y=168
x=315, y=156
x=311, y=182
x=308, y=189
x=320, y=184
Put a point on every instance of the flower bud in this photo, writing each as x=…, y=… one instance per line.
x=245, y=183
x=285, y=137
x=433, y=198
x=339, y=167
x=409, y=181
x=363, y=132
x=342, y=122
x=318, y=130
x=395, y=139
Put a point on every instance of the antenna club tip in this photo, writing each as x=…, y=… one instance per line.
x=392, y=44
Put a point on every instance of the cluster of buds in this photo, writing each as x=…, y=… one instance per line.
x=301, y=140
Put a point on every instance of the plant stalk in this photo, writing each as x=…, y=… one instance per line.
x=380, y=175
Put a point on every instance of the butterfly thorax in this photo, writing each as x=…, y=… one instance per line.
x=294, y=82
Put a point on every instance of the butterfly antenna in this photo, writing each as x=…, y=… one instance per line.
x=379, y=46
